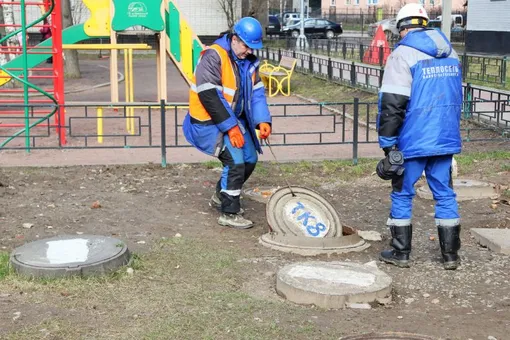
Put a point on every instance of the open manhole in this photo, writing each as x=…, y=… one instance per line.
x=70, y=255
x=388, y=336
x=301, y=221
x=260, y=194
x=466, y=190
x=333, y=284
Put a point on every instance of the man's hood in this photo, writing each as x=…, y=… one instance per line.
x=429, y=41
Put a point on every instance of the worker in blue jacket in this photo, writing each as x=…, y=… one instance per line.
x=419, y=130
x=227, y=107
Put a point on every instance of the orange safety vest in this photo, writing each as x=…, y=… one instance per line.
x=229, y=88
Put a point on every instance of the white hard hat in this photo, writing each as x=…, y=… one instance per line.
x=412, y=15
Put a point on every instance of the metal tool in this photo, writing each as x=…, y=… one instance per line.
x=279, y=167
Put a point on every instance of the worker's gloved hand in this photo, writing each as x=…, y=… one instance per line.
x=236, y=137
x=265, y=130
x=392, y=165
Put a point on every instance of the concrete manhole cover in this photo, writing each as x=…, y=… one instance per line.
x=333, y=284
x=307, y=224
x=466, y=189
x=70, y=255
x=388, y=336
x=260, y=194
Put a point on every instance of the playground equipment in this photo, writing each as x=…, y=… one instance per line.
x=108, y=19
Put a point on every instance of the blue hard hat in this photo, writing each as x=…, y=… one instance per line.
x=250, y=31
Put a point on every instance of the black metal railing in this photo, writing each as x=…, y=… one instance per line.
x=493, y=70
x=485, y=117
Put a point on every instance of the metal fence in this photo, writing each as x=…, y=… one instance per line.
x=485, y=117
x=336, y=54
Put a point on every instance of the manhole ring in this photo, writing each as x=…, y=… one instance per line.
x=260, y=194
x=333, y=284
x=69, y=255
x=388, y=336
x=306, y=214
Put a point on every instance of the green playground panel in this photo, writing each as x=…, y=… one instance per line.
x=129, y=13
x=173, y=28
x=197, y=49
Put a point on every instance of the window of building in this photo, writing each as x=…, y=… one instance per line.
x=348, y=2
x=333, y=2
x=372, y=2
x=356, y=2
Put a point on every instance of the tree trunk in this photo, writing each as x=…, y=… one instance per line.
x=3, y=57
x=8, y=14
x=72, y=65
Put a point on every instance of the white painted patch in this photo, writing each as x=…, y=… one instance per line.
x=332, y=275
x=67, y=251
x=307, y=218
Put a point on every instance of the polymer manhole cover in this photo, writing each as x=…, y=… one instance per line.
x=388, y=336
x=466, y=190
x=70, y=255
x=303, y=222
x=333, y=284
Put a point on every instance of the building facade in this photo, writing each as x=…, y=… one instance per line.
x=353, y=6
x=488, y=27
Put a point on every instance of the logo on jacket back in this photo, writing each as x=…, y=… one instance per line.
x=441, y=71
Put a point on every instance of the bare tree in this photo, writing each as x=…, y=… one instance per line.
x=8, y=17
x=229, y=8
x=72, y=65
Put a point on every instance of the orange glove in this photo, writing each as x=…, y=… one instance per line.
x=265, y=130
x=236, y=137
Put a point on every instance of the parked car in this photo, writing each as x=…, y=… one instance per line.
x=457, y=20
x=288, y=17
x=321, y=27
x=389, y=27
x=273, y=27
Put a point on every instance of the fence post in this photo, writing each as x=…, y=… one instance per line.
x=344, y=50
x=353, y=74
x=310, y=64
x=330, y=69
x=381, y=56
x=355, y=126
x=279, y=54
x=361, y=52
x=503, y=70
x=329, y=47
x=467, y=101
x=464, y=66
x=163, y=133
x=294, y=54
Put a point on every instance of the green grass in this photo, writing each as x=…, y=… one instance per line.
x=467, y=162
x=212, y=164
x=4, y=265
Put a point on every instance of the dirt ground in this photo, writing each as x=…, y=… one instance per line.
x=196, y=280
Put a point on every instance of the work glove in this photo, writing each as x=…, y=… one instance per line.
x=236, y=137
x=265, y=130
x=390, y=166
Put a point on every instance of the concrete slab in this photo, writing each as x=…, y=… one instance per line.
x=497, y=240
x=333, y=284
x=466, y=189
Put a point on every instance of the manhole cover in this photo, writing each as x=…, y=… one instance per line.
x=260, y=194
x=305, y=214
x=70, y=255
x=466, y=190
x=333, y=284
x=307, y=224
x=388, y=336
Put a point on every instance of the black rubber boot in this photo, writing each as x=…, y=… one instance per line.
x=401, y=243
x=449, y=240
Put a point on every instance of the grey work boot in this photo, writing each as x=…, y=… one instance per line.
x=234, y=221
x=215, y=203
x=401, y=243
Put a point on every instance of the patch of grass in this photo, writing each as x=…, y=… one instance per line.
x=212, y=164
x=326, y=91
x=4, y=265
x=468, y=161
